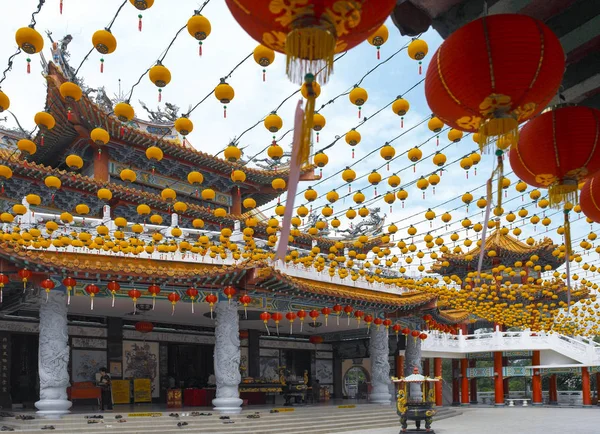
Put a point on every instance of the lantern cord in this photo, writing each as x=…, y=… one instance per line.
x=116, y=15
x=10, y=65
x=37, y=11
x=74, y=76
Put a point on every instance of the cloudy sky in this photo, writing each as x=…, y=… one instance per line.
x=193, y=77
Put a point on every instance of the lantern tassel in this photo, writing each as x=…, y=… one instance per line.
x=565, y=191
x=291, y=326
x=61, y=6
x=68, y=296
x=267, y=327
x=322, y=48
x=113, y=299
x=495, y=128
x=277, y=327
x=378, y=54
x=348, y=319
x=153, y=301
x=199, y=48
x=47, y=295
x=135, y=306
x=301, y=324
x=264, y=75
x=211, y=311
x=159, y=95
x=173, y=309
x=101, y=66
x=92, y=302
x=140, y=22
x=28, y=65
x=568, y=251
x=192, y=305
x=245, y=312
x=326, y=316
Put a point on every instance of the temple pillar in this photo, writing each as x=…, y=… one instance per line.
x=585, y=387
x=498, y=380
x=227, y=358
x=426, y=368
x=505, y=384
x=536, y=380
x=412, y=360
x=552, y=393
x=236, y=203
x=53, y=358
x=101, y=170
x=464, y=387
x=437, y=373
x=380, y=366
x=598, y=387
x=399, y=360
x=455, y=383
x=473, y=381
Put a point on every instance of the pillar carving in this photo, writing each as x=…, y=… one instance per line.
x=380, y=366
x=53, y=358
x=227, y=358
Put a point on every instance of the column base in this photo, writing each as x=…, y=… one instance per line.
x=455, y=404
x=228, y=405
x=553, y=403
x=499, y=404
x=537, y=404
x=588, y=406
x=380, y=398
x=53, y=408
x=465, y=404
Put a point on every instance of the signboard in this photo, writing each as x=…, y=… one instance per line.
x=174, y=398
x=142, y=390
x=5, y=398
x=120, y=391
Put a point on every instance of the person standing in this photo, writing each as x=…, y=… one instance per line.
x=105, y=384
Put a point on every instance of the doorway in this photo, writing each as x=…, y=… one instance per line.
x=190, y=365
x=24, y=379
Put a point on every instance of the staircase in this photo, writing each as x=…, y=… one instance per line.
x=302, y=420
x=579, y=350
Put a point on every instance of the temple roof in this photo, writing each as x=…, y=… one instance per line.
x=508, y=250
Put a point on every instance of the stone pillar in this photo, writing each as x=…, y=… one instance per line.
x=473, y=381
x=598, y=387
x=455, y=383
x=536, y=380
x=464, y=386
x=498, y=383
x=412, y=360
x=552, y=393
x=53, y=356
x=227, y=358
x=437, y=373
x=585, y=387
x=380, y=366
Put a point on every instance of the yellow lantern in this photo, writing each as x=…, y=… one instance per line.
x=33, y=199
x=273, y=122
x=238, y=176
x=353, y=138
x=99, y=136
x=348, y=175
x=400, y=107
x=45, y=121
x=318, y=123
x=195, y=178
x=124, y=112
x=316, y=87
x=275, y=151
x=310, y=195
x=180, y=207
x=142, y=5
x=439, y=159
x=52, y=182
x=154, y=153
x=224, y=93
x=332, y=196
x=199, y=27
x=208, y=194
x=387, y=152
x=27, y=147
x=455, y=135
x=379, y=38
x=220, y=212
x=104, y=41
x=358, y=96
x=414, y=154
x=198, y=223
x=249, y=203
x=70, y=91
x=184, y=126
x=264, y=56
x=394, y=181
x=278, y=184
x=128, y=175
x=435, y=125
x=143, y=209
x=156, y=219
x=29, y=40
x=4, y=101
x=74, y=162
x=168, y=194
x=160, y=76
x=232, y=153
x=363, y=212
x=417, y=50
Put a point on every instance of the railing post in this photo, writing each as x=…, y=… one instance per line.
x=461, y=339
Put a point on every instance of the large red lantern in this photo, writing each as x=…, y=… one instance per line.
x=277, y=316
x=291, y=316
x=488, y=77
x=193, y=294
x=316, y=340
x=211, y=299
x=48, y=286
x=173, y=298
x=154, y=290
x=229, y=291
x=4, y=280
x=265, y=317
x=92, y=290
x=134, y=294
x=310, y=32
x=245, y=300
x=144, y=326
x=113, y=287
x=301, y=316
x=557, y=150
x=25, y=275
x=590, y=198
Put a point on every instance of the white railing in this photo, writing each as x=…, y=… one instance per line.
x=565, y=397
x=582, y=350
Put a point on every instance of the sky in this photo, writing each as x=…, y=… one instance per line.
x=194, y=76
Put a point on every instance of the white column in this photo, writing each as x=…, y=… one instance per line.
x=53, y=358
x=380, y=366
x=227, y=358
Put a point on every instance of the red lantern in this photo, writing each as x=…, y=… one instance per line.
x=326, y=311
x=192, y=293
x=229, y=291
x=405, y=331
x=154, y=290
x=245, y=300
x=277, y=316
x=316, y=340
x=25, y=275
x=338, y=311
x=244, y=334
x=173, y=298
x=4, y=280
x=377, y=322
x=415, y=334
x=291, y=316
x=348, y=309
x=427, y=317
x=309, y=33
x=113, y=287
x=134, y=294
x=48, y=286
x=92, y=290
x=488, y=78
x=358, y=314
x=69, y=283
x=301, y=316
x=590, y=198
x=557, y=150
x=397, y=328
x=266, y=316
x=387, y=323
x=211, y=299
x=368, y=321
x=144, y=326
x=423, y=336
x=314, y=314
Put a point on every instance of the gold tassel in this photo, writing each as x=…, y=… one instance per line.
x=309, y=49
x=493, y=129
x=563, y=191
x=568, y=253
x=307, y=122
x=500, y=172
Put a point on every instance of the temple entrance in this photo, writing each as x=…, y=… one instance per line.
x=24, y=379
x=356, y=382
x=297, y=361
x=190, y=365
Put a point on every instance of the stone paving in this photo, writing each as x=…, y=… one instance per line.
x=517, y=420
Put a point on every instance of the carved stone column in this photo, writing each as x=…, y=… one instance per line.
x=380, y=366
x=53, y=356
x=227, y=358
x=412, y=361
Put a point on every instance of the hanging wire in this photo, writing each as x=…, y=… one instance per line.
x=116, y=15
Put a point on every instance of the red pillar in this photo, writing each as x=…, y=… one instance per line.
x=426, y=367
x=536, y=381
x=464, y=387
x=236, y=202
x=455, y=384
x=399, y=365
x=101, y=172
x=437, y=372
x=585, y=387
x=553, y=394
x=506, y=380
x=598, y=387
x=498, y=383
x=473, y=364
